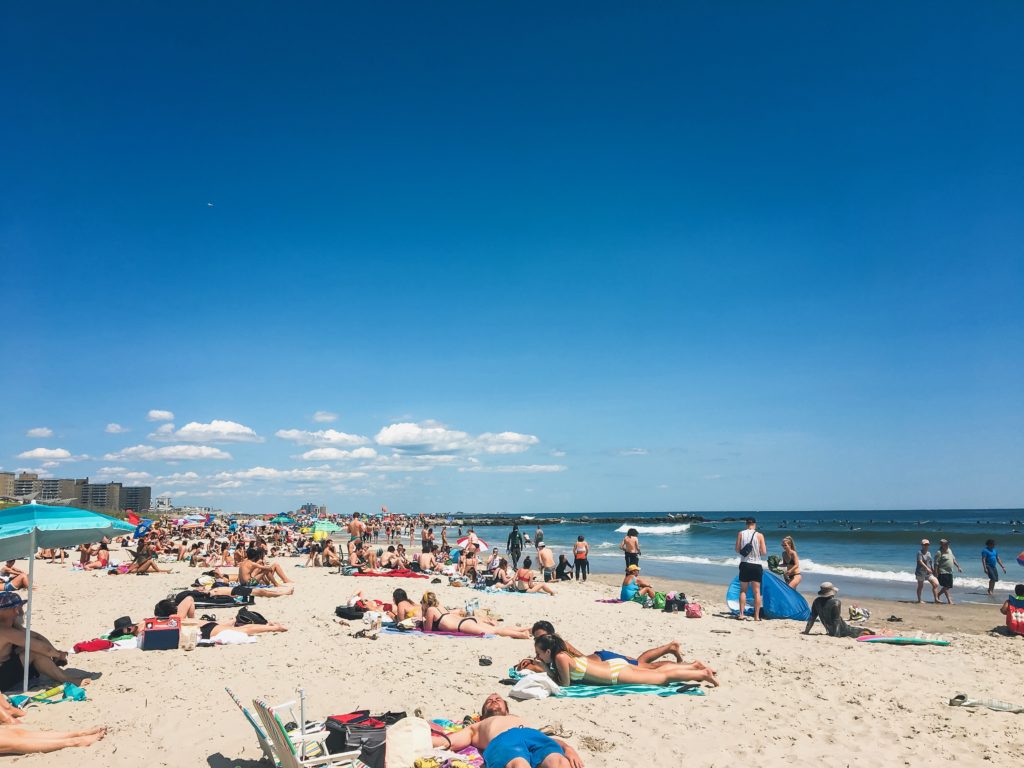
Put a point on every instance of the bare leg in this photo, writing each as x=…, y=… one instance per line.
x=795, y=581
x=280, y=573
x=554, y=760
x=920, y=586
x=743, y=599
x=757, y=601
x=187, y=608
x=19, y=741
x=273, y=591
x=666, y=674
x=46, y=666
x=669, y=649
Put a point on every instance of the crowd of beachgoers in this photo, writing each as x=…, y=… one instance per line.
x=232, y=564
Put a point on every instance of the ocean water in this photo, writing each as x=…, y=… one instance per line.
x=865, y=553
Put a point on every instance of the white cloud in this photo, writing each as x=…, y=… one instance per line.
x=112, y=470
x=155, y=415
x=338, y=454
x=228, y=484
x=634, y=452
x=558, y=454
x=39, y=432
x=113, y=428
x=51, y=464
x=49, y=454
x=179, y=478
x=663, y=486
x=167, y=453
x=324, y=417
x=431, y=437
x=516, y=468
x=309, y=474
x=506, y=442
x=324, y=437
x=217, y=431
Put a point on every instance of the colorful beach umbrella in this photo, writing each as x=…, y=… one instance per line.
x=474, y=539
x=325, y=526
x=284, y=519
x=26, y=528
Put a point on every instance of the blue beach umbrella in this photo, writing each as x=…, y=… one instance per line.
x=26, y=528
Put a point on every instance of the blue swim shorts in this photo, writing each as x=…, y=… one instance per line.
x=527, y=743
x=606, y=655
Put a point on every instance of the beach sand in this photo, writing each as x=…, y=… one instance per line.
x=785, y=697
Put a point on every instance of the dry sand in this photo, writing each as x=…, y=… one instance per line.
x=785, y=697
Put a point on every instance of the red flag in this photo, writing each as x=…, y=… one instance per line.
x=383, y=509
x=133, y=518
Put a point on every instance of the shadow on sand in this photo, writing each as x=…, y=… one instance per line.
x=220, y=761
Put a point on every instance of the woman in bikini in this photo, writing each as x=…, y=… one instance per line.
x=566, y=668
x=791, y=562
x=404, y=608
x=524, y=580
x=437, y=619
x=102, y=561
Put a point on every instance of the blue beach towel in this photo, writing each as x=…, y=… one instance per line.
x=592, y=691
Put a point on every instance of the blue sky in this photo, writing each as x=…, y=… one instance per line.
x=572, y=257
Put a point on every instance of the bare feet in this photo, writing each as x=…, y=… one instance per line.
x=674, y=649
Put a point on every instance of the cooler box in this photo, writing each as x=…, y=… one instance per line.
x=160, y=634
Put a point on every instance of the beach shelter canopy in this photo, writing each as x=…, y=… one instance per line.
x=282, y=519
x=778, y=601
x=325, y=526
x=24, y=529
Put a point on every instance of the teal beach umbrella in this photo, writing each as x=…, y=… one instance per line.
x=24, y=529
x=325, y=526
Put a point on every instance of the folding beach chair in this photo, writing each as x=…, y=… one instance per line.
x=261, y=735
x=291, y=748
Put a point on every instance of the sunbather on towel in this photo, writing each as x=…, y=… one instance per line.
x=646, y=660
x=506, y=741
x=438, y=619
x=403, y=607
x=567, y=668
x=210, y=629
x=19, y=741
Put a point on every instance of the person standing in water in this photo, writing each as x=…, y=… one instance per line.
x=580, y=552
x=751, y=548
x=945, y=562
x=924, y=570
x=538, y=536
x=514, y=546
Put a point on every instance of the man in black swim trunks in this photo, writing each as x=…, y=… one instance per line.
x=46, y=659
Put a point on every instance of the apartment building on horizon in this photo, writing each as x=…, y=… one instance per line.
x=77, y=492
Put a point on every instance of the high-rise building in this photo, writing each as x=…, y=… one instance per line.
x=100, y=496
x=6, y=484
x=26, y=484
x=136, y=498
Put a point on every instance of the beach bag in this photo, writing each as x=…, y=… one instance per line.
x=693, y=611
x=407, y=740
x=357, y=730
x=349, y=612
x=659, y=600
x=1015, y=615
x=245, y=616
x=747, y=548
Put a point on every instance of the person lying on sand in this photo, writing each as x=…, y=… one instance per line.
x=567, y=668
x=507, y=741
x=437, y=619
x=46, y=659
x=210, y=629
x=184, y=603
x=402, y=607
x=646, y=660
x=20, y=741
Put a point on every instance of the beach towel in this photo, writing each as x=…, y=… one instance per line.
x=391, y=629
x=229, y=637
x=592, y=691
x=612, y=601
x=403, y=573
x=900, y=640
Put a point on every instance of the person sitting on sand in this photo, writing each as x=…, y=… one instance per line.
x=646, y=660
x=252, y=572
x=361, y=556
x=425, y=562
x=329, y=555
x=437, y=619
x=502, y=576
x=567, y=668
x=144, y=559
x=1013, y=610
x=390, y=560
x=524, y=580
x=469, y=563
x=102, y=561
x=632, y=585
x=20, y=741
x=829, y=609
x=46, y=659
x=13, y=577
x=791, y=563
x=507, y=741
x=563, y=572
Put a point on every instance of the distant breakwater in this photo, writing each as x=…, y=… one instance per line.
x=469, y=521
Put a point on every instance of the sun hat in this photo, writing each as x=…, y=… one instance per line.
x=540, y=544
x=121, y=626
x=943, y=541
x=827, y=589
x=11, y=600
x=925, y=542
x=632, y=567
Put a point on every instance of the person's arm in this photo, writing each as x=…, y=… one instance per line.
x=453, y=742
x=812, y=619
x=562, y=663
x=961, y=570
x=984, y=565
x=1005, y=610
x=739, y=538
x=622, y=546
x=998, y=560
x=570, y=754
x=764, y=547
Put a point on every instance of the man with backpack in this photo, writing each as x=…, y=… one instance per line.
x=751, y=548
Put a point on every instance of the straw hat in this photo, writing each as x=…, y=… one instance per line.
x=827, y=589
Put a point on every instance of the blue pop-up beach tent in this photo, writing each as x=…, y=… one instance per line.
x=778, y=601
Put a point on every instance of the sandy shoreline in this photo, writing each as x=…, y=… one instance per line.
x=784, y=696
